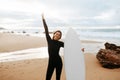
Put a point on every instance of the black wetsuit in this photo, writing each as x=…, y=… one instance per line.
x=55, y=61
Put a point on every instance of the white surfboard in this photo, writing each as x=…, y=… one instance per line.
x=73, y=57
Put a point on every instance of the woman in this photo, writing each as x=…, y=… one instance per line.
x=55, y=61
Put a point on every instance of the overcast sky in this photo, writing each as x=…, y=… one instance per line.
x=59, y=12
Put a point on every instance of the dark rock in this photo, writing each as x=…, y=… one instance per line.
x=110, y=56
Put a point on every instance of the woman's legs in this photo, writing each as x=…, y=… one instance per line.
x=51, y=66
x=58, y=70
x=50, y=70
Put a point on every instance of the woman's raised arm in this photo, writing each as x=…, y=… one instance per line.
x=46, y=28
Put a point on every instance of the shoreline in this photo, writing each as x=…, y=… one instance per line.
x=33, y=47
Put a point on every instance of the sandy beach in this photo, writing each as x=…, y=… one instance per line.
x=35, y=69
x=12, y=42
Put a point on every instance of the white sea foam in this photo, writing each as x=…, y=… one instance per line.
x=33, y=53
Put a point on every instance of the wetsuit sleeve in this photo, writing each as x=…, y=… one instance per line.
x=62, y=44
x=46, y=30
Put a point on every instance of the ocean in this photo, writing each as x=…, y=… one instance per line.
x=100, y=34
x=106, y=34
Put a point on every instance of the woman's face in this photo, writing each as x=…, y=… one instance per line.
x=56, y=36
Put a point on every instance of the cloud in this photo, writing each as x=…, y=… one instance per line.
x=60, y=12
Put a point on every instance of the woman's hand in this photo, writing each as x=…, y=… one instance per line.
x=42, y=16
x=83, y=49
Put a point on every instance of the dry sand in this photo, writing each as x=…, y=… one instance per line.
x=35, y=69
